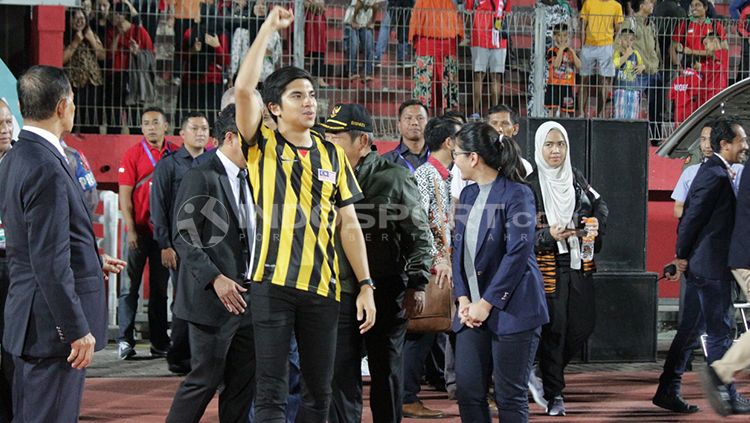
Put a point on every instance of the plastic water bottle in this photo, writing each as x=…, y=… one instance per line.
x=587, y=247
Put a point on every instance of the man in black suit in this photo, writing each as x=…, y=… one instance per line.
x=56, y=312
x=721, y=372
x=167, y=177
x=702, y=254
x=214, y=230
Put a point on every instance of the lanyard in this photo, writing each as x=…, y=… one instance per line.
x=148, y=152
x=408, y=163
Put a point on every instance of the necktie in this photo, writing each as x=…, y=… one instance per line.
x=242, y=206
x=243, y=217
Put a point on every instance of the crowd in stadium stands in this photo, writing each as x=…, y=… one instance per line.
x=125, y=55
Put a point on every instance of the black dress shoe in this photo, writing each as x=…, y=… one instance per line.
x=717, y=394
x=740, y=405
x=179, y=368
x=673, y=402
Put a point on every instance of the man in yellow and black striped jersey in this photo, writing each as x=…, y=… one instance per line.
x=301, y=184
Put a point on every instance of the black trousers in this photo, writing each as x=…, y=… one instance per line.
x=277, y=310
x=46, y=390
x=6, y=360
x=179, y=345
x=384, y=344
x=149, y=250
x=219, y=354
x=571, y=313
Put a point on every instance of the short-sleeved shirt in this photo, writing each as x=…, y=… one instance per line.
x=136, y=170
x=601, y=17
x=625, y=67
x=565, y=74
x=685, y=93
x=486, y=12
x=690, y=33
x=680, y=192
x=297, y=192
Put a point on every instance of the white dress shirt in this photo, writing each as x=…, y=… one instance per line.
x=232, y=171
x=49, y=136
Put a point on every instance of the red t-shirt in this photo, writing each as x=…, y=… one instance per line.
x=135, y=170
x=715, y=72
x=692, y=35
x=484, y=15
x=685, y=93
x=121, y=57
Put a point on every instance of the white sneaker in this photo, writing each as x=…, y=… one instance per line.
x=125, y=350
x=537, y=390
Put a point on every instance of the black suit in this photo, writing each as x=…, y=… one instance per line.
x=207, y=240
x=56, y=292
x=703, y=239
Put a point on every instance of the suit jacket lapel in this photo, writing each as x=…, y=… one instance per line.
x=32, y=137
x=489, y=213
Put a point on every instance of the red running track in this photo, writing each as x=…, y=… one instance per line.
x=590, y=397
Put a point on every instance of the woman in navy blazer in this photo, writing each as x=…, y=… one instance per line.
x=498, y=286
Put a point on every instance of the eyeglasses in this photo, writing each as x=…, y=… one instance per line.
x=455, y=153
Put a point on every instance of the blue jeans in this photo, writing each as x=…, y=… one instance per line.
x=384, y=35
x=362, y=37
x=707, y=307
x=482, y=355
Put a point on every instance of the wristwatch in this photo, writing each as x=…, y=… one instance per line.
x=367, y=281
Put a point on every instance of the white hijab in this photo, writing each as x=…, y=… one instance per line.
x=558, y=191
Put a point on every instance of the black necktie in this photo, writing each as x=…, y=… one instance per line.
x=242, y=176
x=243, y=217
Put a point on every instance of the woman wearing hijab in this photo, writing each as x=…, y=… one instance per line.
x=565, y=202
x=497, y=283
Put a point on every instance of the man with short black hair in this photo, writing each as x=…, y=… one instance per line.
x=702, y=252
x=722, y=371
x=214, y=234
x=135, y=179
x=398, y=256
x=167, y=178
x=411, y=151
x=301, y=184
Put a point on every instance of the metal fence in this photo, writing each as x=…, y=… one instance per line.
x=183, y=61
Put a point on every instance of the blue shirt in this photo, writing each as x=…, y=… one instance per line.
x=688, y=174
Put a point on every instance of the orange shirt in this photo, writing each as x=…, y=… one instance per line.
x=186, y=9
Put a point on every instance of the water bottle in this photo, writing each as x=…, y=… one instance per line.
x=587, y=247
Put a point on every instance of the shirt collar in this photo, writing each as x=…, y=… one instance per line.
x=166, y=146
x=232, y=169
x=47, y=135
x=442, y=170
x=403, y=149
x=726, y=163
